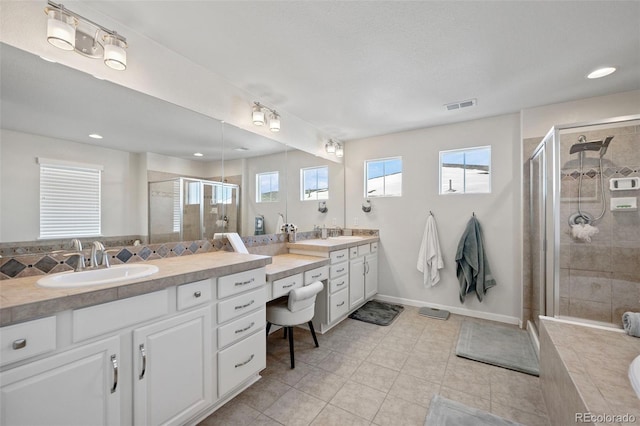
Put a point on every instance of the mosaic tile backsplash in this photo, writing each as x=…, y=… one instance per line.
x=24, y=260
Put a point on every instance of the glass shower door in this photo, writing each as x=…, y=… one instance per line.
x=537, y=223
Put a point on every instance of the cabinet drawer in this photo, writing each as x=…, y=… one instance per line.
x=240, y=305
x=242, y=281
x=339, y=255
x=283, y=286
x=338, y=304
x=241, y=328
x=338, y=283
x=374, y=247
x=364, y=249
x=353, y=252
x=317, y=274
x=338, y=269
x=27, y=339
x=111, y=316
x=194, y=294
x=240, y=361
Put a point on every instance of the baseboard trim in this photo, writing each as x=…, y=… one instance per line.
x=453, y=309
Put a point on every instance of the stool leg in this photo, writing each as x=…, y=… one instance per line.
x=268, y=328
x=313, y=333
x=285, y=332
x=293, y=365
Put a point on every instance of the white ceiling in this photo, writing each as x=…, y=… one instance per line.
x=355, y=69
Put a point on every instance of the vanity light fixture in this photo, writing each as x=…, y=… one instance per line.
x=330, y=147
x=69, y=31
x=259, y=118
x=339, y=151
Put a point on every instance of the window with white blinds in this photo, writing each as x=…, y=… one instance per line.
x=69, y=199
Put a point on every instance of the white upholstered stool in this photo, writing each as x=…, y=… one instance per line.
x=297, y=309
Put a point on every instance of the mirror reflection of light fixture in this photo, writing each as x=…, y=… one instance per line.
x=69, y=31
x=330, y=147
x=259, y=118
x=339, y=151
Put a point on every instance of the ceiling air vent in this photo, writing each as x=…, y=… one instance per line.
x=460, y=105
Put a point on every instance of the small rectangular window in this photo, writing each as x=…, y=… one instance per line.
x=69, y=199
x=314, y=183
x=465, y=171
x=383, y=177
x=267, y=187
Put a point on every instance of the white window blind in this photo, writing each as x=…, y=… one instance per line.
x=69, y=199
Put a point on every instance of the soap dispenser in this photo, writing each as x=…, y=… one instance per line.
x=324, y=232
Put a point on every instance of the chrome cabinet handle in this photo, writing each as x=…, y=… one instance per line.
x=246, y=328
x=19, y=344
x=144, y=361
x=340, y=304
x=197, y=294
x=340, y=256
x=245, y=362
x=316, y=276
x=341, y=284
x=290, y=285
x=245, y=282
x=114, y=362
x=340, y=270
x=246, y=305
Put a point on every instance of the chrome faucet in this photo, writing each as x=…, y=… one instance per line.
x=77, y=246
x=95, y=248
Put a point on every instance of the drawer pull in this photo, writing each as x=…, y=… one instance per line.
x=289, y=286
x=316, y=276
x=114, y=361
x=19, y=344
x=197, y=294
x=244, y=282
x=340, y=256
x=341, y=284
x=340, y=304
x=340, y=270
x=245, y=305
x=144, y=361
x=246, y=328
x=246, y=362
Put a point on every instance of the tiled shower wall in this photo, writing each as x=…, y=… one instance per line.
x=600, y=280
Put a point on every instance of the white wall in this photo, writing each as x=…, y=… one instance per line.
x=20, y=184
x=401, y=220
x=178, y=166
x=538, y=121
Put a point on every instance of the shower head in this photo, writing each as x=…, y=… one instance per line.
x=583, y=145
x=605, y=145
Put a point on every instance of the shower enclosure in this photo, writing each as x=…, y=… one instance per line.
x=186, y=209
x=584, y=231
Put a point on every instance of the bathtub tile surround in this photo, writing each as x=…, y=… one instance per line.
x=584, y=369
x=345, y=382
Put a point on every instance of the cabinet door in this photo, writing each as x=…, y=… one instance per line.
x=76, y=387
x=356, y=282
x=172, y=369
x=371, y=275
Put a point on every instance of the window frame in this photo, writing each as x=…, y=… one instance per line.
x=464, y=189
x=384, y=176
x=302, y=184
x=258, y=187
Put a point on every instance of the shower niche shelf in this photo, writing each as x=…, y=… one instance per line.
x=624, y=184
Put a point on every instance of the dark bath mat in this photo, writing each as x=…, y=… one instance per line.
x=501, y=345
x=376, y=312
x=445, y=412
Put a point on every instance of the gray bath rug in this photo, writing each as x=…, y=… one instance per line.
x=376, y=312
x=445, y=412
x=500, y=345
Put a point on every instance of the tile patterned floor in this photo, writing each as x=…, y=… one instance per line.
x=363, y=374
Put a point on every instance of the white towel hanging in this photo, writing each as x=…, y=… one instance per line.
x=430, y=255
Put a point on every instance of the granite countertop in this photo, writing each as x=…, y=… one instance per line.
x=21, y=299
x=332, y=243
x=285, y=265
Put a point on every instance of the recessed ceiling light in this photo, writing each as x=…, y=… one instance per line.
x=601, y=72
x=198, y=154
x=241, y=149
x=95, y=136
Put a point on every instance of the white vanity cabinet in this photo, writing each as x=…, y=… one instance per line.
x=371, y=272
x=81, y=386
x=363, y=274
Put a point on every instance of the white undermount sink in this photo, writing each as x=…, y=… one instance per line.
x=92, y=277
x=347, y=238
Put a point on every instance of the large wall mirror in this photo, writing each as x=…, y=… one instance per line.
x=49, y=110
